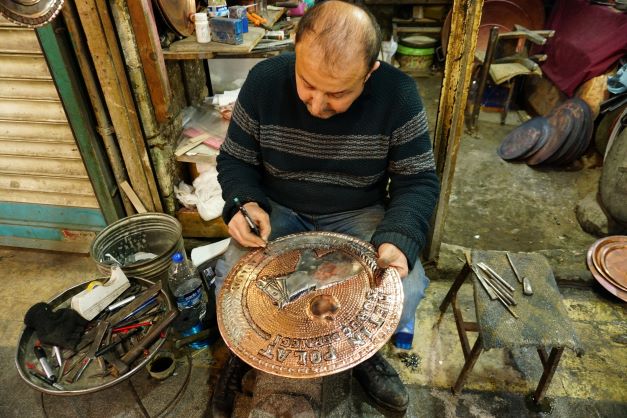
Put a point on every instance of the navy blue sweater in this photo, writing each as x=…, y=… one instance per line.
x=275, y=148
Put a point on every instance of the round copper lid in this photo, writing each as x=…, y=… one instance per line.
x=309, y=305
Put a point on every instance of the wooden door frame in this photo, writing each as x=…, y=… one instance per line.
x=449, y=127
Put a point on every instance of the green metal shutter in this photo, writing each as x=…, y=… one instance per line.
x=46, y=197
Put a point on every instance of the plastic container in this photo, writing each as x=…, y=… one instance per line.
x=187, y=288
x=217, y=8
x=91, y=301
x=203, y=34
x=415, y=53
x=156, y=233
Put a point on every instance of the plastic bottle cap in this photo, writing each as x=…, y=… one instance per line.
x=177, y=257
x=200, y=17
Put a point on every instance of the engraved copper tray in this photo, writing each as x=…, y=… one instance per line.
x=341, y=317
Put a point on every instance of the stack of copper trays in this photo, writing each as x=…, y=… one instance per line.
x=607, y=261
x=558, y=139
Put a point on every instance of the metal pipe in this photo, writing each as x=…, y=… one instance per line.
x=104, y=127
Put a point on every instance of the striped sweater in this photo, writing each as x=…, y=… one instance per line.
x=275, y=149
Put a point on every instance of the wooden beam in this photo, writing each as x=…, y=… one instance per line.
x=449, y=127
x=103, y=46
x=132, y=196
x=151, y=55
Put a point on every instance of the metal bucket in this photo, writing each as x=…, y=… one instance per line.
x=155, y=233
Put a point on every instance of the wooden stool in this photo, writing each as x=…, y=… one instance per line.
x=543, y=321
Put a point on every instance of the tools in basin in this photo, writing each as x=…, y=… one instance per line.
x=121, y=335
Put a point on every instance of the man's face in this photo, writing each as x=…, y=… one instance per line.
x=327, y=90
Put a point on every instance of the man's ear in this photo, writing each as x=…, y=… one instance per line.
x=374, y=68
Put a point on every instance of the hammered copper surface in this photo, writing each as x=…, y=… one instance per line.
x=321, y=332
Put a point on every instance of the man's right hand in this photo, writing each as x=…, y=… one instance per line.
x=240, y=231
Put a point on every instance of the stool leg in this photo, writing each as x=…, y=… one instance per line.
x=468, y=365
x=452, y=292
x=511, y=84
x=549, y=371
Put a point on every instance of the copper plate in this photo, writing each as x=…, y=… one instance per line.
x=587, y=129
x=561, y=121
x=598, y=275
x=610, y=258
x=613, y=262
x=572, y=141
x=524, y=139
x=322, y=331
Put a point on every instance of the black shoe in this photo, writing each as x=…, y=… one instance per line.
x=229, y=383
x=382, y=383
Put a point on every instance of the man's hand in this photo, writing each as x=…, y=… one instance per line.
x=388, y=255
x=240, y=231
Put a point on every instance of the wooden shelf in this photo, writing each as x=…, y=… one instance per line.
x=188, y=48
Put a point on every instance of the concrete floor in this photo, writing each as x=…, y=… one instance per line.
x=494, y=205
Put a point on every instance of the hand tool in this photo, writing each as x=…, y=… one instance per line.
x=153, y=334
x=118, y=367
x=133, y=326
x=511, y=263
x=147, y=304
x=101, y=330
x=78, y=361
x=121, y=338
x=153, y=312
x=483, y=280
x=498, y=286
x=40, y=353
x=494, y=274
x=47, y=381
x=57, y=355
x=527, y=290
x=192, y=338
x=251, y=224
x=124, y=312
x=121, y=303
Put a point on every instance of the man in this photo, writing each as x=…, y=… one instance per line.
x=314, y=140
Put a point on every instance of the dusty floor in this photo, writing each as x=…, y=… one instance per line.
x=494, y=205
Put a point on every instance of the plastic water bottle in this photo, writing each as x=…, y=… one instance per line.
x=191, y=301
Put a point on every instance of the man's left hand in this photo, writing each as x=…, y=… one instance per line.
x=388, y=255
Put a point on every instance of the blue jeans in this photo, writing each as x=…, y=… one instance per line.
x=359, y=223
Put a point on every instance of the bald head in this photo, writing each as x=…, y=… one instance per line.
x=341, y=31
